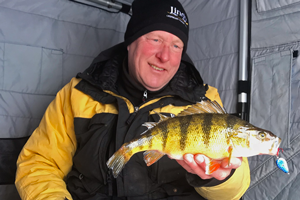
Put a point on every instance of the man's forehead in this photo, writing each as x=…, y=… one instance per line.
x=160, y=33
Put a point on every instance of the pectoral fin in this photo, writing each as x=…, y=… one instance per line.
x=212, y=166
x=151, y=157
x=230, y=154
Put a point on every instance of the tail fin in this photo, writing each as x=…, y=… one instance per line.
x=117, y=161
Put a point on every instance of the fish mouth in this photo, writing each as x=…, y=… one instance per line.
x=275, y=146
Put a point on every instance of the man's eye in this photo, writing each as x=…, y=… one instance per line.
x=177, y=48
x=153, y=40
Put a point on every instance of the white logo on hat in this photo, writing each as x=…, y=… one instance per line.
x=178, y=15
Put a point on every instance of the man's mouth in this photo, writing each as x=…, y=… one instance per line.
x=156, y=68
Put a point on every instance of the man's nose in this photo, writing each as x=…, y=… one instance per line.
x=163, y=54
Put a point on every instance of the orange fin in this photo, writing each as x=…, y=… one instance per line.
x=230, y=153
x=152, y=156
x=212, y=166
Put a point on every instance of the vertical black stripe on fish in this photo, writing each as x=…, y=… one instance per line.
x=206, y=127
x=129, y=147
x=184, y=125
x=231, y=121
x=163, y=127
x=142, y=142
x=150, y=141
x=129, y=153
x=128, y=150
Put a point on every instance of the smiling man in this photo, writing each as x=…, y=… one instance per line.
x=154, y=58
x=106, y=106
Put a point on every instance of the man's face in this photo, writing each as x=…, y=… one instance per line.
x=154, y=58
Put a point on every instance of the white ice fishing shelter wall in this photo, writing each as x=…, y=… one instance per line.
x=275, y=95
x=42, y=45
x=45, y=43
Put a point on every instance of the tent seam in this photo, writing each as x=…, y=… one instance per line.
x=223, y=55
x=65, y=53
x=200, y=27
x=270, y=18
x=20, y=117
x=61, y=20
x=10, y=91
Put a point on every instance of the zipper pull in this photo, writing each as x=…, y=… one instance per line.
x=136, y=109
x=145, y=96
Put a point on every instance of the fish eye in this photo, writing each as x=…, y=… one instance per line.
x=262, y=135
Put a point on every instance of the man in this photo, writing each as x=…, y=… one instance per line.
x=105, y=106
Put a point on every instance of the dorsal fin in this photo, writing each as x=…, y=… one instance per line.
x=150, y=125
x=205, y=106
x=162, y=117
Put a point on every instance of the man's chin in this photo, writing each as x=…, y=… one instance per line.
x=154, y=88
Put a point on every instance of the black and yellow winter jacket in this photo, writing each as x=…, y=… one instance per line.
x=91, y=117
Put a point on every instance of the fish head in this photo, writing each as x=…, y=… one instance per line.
x=256, y=142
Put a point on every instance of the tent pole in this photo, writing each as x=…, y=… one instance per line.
x=109, y=4
x=243, y=86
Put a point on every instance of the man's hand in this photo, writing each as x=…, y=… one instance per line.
x=196, y=164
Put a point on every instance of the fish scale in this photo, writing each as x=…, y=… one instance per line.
x=184, y=126
x=204, y=128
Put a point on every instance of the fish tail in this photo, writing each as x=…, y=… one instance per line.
x=117, y=161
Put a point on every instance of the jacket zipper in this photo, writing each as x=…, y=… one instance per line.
x=145, y=95
x=109, y=183
x=132, y=116
x=136, y=108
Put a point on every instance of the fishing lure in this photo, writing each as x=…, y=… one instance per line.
x=281, y=163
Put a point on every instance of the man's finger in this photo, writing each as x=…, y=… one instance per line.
x=235, y=162
x=185, y=166
x=197, y=167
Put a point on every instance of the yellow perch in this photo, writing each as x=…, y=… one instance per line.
x=203, y=128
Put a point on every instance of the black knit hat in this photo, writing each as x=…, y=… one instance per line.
x=151, y=15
